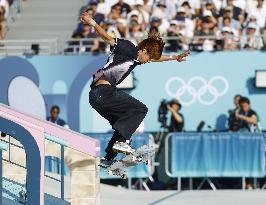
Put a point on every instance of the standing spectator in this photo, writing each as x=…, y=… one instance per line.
x=177, y=119
x=248, y=117
x=124, y=8
x=54, y=118
x=233, y=122
x=174, y=31
x=264, y=38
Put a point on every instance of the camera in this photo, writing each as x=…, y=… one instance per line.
x=162, y=113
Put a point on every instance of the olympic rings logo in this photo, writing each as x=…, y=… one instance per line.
x=197, y=93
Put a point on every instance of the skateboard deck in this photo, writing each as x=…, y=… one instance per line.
x=119, y=168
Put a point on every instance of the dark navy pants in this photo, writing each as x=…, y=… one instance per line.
x=123, y=112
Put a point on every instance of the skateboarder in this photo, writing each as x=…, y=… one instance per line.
x=123, y=112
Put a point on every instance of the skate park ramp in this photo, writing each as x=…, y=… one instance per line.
x=121, y=196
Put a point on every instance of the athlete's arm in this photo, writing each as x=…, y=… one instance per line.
x=179, y=58
x=86, y=19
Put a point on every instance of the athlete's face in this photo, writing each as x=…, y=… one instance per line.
x=143, y=56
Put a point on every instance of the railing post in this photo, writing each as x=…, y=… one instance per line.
x=62, y=172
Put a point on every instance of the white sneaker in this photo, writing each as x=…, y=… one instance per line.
x=123, y=147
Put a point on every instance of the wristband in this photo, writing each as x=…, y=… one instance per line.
x=92, y=23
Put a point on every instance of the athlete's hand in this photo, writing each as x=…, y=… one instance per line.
x=85, y=18
x=182, y=56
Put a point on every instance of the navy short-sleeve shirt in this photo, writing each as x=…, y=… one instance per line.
x=121, y=61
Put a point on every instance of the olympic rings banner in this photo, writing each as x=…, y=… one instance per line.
x=205, y=85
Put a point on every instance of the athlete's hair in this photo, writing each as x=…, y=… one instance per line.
x=153, y=44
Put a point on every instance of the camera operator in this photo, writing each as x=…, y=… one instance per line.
x=233, y=122
x=248, y=117
x=177, y=119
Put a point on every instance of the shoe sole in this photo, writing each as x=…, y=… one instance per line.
x=123, y=151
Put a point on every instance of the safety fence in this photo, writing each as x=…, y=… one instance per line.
x=212, y=155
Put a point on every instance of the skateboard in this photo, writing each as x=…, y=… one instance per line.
x=144, y=154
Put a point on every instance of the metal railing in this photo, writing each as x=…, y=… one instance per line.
x=83, y=46
x=6, y=146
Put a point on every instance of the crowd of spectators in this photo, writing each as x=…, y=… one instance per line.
x=207, y=25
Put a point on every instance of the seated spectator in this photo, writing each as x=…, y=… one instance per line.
x=178, y=29
x=227, y=39
x=248, y=117
x=227, y=22
x=234, y=10
x=134, y=32
x=194, y=4
x=181, y=16
x=251, y=41
x=233, y=122
x=228, y=12
x=103, y=8
x=177, y=119
x=124, y=8
x=259, y=12
x=160, y=24
x=92, y=10
x=206, y=31
x=54, y=118
x=139, y=12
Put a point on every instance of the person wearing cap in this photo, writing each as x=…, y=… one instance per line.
x=251, y=41
x=174, y=31
x=181, y=16
x=229, y=40
x=177, y=121
x=142, y=15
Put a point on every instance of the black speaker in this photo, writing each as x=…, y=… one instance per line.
x=35, y=48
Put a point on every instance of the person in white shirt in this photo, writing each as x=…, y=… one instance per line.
x=251, y=41
x=260, y=12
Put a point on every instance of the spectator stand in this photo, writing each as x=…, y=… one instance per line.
x=207, y=155
x=139, y=172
